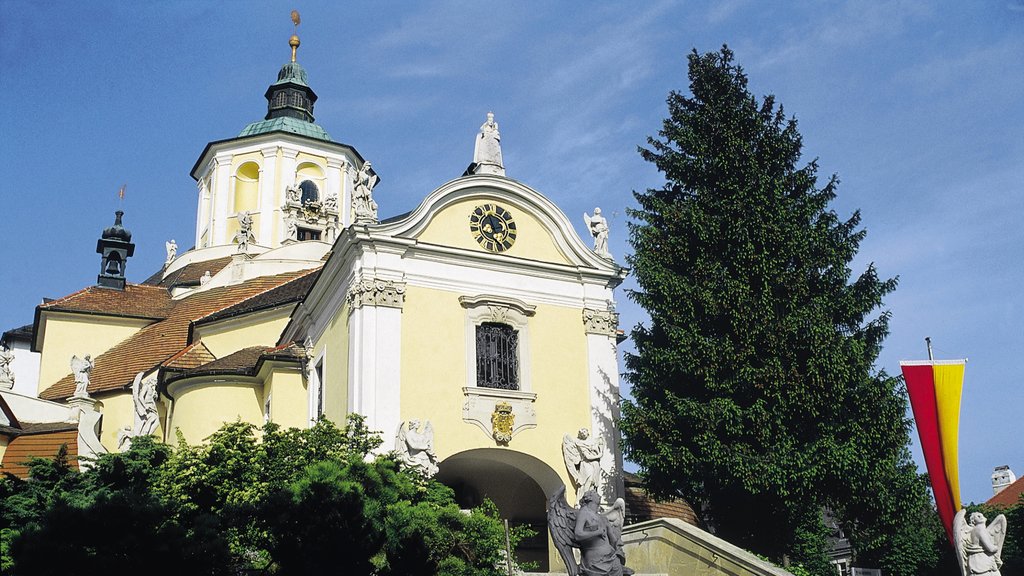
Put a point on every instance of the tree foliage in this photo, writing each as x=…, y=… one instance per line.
x=755, y=392
x=270, y=501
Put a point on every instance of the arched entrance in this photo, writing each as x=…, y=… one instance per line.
x=517, y=483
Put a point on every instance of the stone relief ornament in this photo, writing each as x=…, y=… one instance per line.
x=293, y=193
x=487, y=151
x=414, y=446
x=375, y=292
x=604, y=322
x=145, y=419
x=502, y=421
x=363, y=205
x=978, y=546
x=81, y=367
x=583, y=460
x=6, y=375
x=599, y=230
x=291, y=229
x=331, y=203
x=597, y=535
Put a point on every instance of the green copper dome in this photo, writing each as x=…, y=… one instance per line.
x=287, y=124
x=292, y=72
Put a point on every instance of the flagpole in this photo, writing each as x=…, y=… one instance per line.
x=928, y=341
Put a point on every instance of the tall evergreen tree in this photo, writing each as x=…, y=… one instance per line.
x=756, y=396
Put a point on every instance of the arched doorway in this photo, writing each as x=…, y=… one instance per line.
x=517, y=483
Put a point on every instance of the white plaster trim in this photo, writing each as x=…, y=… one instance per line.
x=603, y=378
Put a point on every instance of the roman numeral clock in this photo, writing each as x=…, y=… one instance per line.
x=493, y=227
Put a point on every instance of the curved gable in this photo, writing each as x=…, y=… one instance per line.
x=544, y=233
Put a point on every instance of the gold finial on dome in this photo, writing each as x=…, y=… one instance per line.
x=294, y=40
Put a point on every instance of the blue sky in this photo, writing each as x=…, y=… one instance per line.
x=918, y=106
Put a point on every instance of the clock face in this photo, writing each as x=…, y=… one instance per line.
x=493, y=227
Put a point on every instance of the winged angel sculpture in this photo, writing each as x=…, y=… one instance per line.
x=597, y=535
x=81, y=367
x=979, y=546
x=415, y=446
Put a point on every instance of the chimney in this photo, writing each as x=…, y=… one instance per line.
x=1002, y=477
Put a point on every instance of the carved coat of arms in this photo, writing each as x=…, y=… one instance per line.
x=502, y=421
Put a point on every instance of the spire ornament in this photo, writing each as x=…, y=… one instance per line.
x=294, y=40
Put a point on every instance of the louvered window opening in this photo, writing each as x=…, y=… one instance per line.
x=497, y=356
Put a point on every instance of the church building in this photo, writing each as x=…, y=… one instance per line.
x=477, y=332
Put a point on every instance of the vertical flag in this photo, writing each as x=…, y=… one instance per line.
x=935, y=387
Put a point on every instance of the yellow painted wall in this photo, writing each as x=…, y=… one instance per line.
x=335, y=339
x=118, y=412
x=239, y=159
x=289, y=404
x=434, y=373
x=260, y=329
x=81, y=334
x=201, y=409
x=450, y=227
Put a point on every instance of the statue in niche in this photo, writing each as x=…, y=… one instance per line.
x=81, y=367
x=244, y=234
x=599, y=230
x=415, y=446
x=293, y=193
x=487, y=151
x=362, y=194
x=172, y=251
x=598, y=536
x=6, y=375
x=979, y=546
x=583, y=460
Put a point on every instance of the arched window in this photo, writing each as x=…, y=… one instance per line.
x=310, y=192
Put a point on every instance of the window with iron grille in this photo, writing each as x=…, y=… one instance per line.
x=497, y=356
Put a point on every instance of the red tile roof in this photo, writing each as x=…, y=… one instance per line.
x=641, y=507
x=154, y=344
x=191, y=356
x=245, y=361
x=1009, y=496
x=41, y=445
x=135, y=301
x=189, y=274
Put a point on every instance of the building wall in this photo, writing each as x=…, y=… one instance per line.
x=201, y=408
x=434, y=373
x=333, y=349
x=260, y=329
x=78, y=334
x=288, y=397
x=25, y=367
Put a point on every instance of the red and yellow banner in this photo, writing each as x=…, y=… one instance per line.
x=935, y=388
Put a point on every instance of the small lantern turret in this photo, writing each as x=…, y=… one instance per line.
x=115, y=246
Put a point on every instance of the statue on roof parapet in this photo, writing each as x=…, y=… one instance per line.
x=487, y=151
x=363, y=205
x=81, y=368
x=599, y=230
x=6, y=375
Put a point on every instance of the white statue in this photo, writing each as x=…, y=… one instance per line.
x=144, y=396
x=205, y=278
x=6, y=375
x=415, y=446
x=583, y=460
x=362, y=195
x=487, y=151
x=172, y=251
x=599, y=230
x=81, y=367
x=978, y=546
x=293, y=193
x=244, y=234
x=124, y=438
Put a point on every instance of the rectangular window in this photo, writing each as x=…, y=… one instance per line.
x=303, y=234
x=319, y=388
x=497, y=356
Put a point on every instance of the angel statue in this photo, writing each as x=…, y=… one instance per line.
x=415, y=446
x=172, y=251
x=81, y=367
x=599, y=230
x=244, y=234
x=6, y=374
x=144, y=398
x=598, y=536
x=583, y=460
x=978, y=546
x=362, y=194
